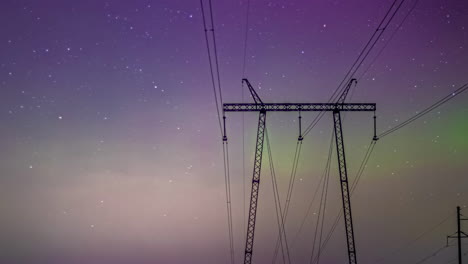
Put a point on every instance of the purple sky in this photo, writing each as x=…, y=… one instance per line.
x=111, y=147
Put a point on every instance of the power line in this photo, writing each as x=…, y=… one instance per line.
x=379, y=29
x=363, y=165
x=279, y=213
x=228, y=198
x=299, y=231
x=213, y=72
x=330, y=233
x=389, y=39
x=409, y=243
x=440, y=102
x=215, y=52
x=289, y=192
x=455, y=259
x=292, y=179
x=211, y=67
x=323, y=204
x=353, y=187
x=275, y=195
x=323, y=215
x=431, y=255
x=355, y=66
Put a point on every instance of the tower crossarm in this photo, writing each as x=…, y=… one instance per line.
x=304, y=107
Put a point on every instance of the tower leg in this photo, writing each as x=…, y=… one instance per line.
x=344, y=187
x=255, y=187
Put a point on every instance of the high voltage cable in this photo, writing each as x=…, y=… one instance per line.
x=389, y=39
x=215, y=52
x=330, y=233
x=308, y=209
x=366, y=50
x=214, y=72
x=332, y=97
x=431, y=255
x=440, y=102
x=353, y=187
x=323, y=214
x=414, y=240
x=211, y=67
x=275, y=194
x=292, y=178
x=279, y=213
x=363, y=166
x=455, y=259
x=314, y=122
x=381, y=31
x=366, y=46
x=322, y=207
x=228, y=198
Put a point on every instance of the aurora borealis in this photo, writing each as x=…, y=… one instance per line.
x=111, y=150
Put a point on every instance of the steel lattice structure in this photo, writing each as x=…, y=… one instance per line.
x=255, y=187
x=336, y=108
x=345, y=195
x=294, y=107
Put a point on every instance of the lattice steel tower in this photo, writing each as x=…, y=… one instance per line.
x=336, y=108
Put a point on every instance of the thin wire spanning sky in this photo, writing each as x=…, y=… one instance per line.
x=110, y=143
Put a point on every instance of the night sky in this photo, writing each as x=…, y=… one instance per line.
x=111, y=151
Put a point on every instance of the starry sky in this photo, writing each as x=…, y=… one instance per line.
x=111, y=151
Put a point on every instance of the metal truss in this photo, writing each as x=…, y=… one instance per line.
x=305, y=107
x=255, y=188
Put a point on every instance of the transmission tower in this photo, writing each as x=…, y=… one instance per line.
x=336, y=108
